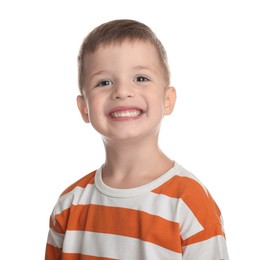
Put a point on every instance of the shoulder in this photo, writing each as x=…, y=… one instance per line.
x=73, y=194
x=83, y=182
x=186, y=187
x=182, y=184
x=197, y=212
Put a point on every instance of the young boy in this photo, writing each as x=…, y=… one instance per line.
x=140, y=204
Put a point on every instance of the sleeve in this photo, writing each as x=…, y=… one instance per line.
x=207, y=242
x=54, y=240
x=60, y=217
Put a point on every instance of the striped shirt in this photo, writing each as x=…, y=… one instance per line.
x=173, y=217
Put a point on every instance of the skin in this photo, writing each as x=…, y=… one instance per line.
x=125, y=98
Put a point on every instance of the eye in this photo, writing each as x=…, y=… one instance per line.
x=104, y=83
x=141, y=79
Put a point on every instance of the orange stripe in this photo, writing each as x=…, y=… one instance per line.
x=61, y=221
x=215, y=206
x=83, y=182
x=125, y=222
x=52, y=253
x=194, y=195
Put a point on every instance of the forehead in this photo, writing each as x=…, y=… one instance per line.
x=137, y=53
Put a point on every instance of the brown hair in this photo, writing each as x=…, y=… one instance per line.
x=117, y=31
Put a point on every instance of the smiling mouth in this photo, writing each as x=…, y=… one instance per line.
x=131, y=113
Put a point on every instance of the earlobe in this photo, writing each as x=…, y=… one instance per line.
x=170, y=100
x=83, y=108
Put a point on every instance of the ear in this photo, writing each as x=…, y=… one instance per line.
x=83, y=109
x=170, y=98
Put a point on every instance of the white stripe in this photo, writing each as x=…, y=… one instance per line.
x=114, y=246
x=78, y=195
x=55, y=239
x=190, y=224
x=212, y=249
x=83, y=196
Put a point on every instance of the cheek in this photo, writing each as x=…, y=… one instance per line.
x=95, y=102
x=96, y=109
x=156, y=108
x=158, y=101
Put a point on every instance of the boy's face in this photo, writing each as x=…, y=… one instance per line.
x=124, y=92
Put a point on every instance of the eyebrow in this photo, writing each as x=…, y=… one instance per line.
x=90, y=76
x=98, y=73
x=140, y=67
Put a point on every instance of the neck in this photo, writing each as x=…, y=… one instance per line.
x=134, y=163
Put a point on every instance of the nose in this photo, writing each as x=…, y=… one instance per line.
x=122, y=90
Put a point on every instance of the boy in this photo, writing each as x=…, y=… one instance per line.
x=140, y=204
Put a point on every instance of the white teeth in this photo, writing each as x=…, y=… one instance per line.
x=128, y=113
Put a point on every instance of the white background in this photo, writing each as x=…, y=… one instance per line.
x=221, y=58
